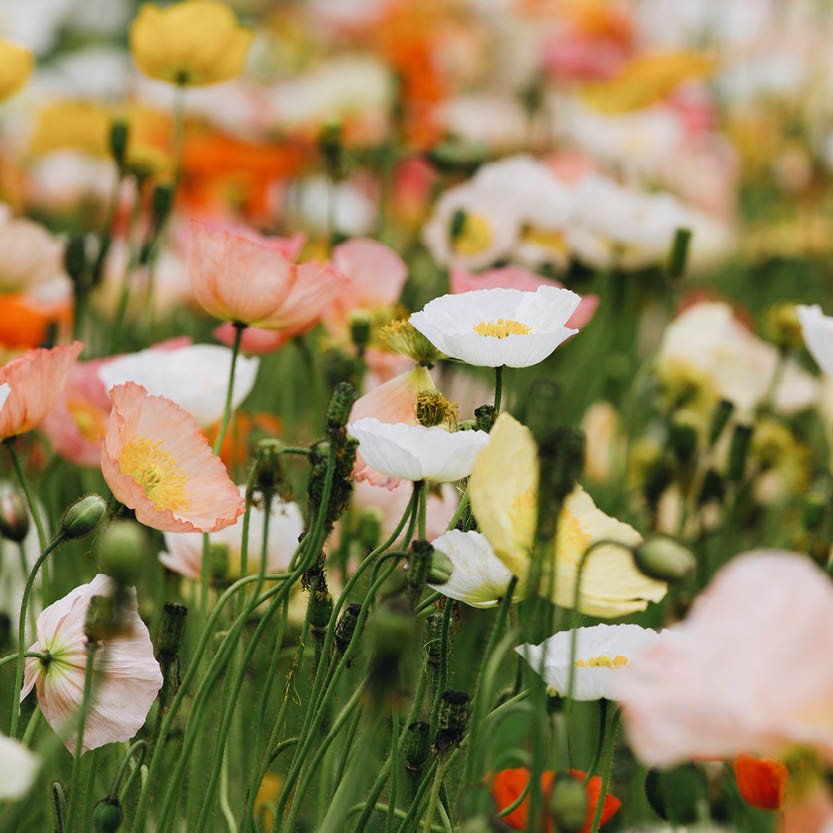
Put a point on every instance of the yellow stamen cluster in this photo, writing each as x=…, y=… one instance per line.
x=501, y=328
x=603, y=661
x=432, y=408
x=156, y=471
x=473, y=237
x=402, y=337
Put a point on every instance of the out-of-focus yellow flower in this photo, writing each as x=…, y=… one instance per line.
x=15, y=67
x=504, y=497
x=646, y=80
x=194, y=42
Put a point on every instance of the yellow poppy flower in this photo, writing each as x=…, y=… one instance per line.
x=194, y=42
x=15, y=67
x=504, y=497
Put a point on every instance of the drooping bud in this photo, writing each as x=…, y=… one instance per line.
x=568, y=804
x=402, y=337
x=121, y=551
x=119, y=135
x=432, y=408
x=417, y=744
x=346, y=626
x=75, y=258
x=678, y=256
x=738, y=451
x=720, y=418
x=338, y=409
x=441, y=568
x=419, y=565
x=84, y=516
x=664, y=559
x=171, y=631
x=452, y=720
x=361, y=328
x=102, y=621
x=107, y=815
x=485, y=416
x=14, y=517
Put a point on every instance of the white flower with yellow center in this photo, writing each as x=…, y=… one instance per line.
x=414, y=452
x=497, y=327
x=479, y=577
x=817, y=329
x=601, y=651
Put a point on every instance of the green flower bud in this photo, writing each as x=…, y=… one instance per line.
x=485, y=416
x=14, y=516
x=340, y=405
x=568, y=804
x=713, y=488
x=664, y=559
x=452, y=720
x=107, y=815
x=161, y=202
x=457, y=156
x=720, y=418
x=84, y=516
x=540, y=412
x=75, y=258
x=171, y=631
x=657, y=479
x=121, y=551
x=346, y=626
x=738, y=450
x=678, y=256
x=441, y=568
x=416, y=745
x=320, y=610
x=675, y=793
x=102, y=621
x=783, y=326
x=338, y=366
x=361, y=327
x=119, y=134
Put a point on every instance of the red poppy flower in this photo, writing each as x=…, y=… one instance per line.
x=761, y=782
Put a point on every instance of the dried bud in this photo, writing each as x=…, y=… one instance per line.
x=441, y=568
x=485, y=416
x=678, y=256
x=720, y=419
x=121, y=551
x=320, y=609
x=171, y=631
x=664, y=559
x=340, y=405
x=452, y=720
x=432, y=408
x=14, y=516
x=568, y=804
x=402, y=337
x=269, y=474
x=75, y=258
x=346, y=626
x=416, y=745
x=84, y=516
x=738, y=451
x=119, y=134
x=107, y=815
x=361, y=326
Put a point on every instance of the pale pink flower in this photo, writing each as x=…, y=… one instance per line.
x=157, y=462
x=383, y=366
x=515, y=277
x=36, y=379
x=244, y=277
x=747, y=672
x=255, y=341
x=128, y=676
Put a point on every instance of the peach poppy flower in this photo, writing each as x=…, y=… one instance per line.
x=158, y=463
x=375, y=274
x=241, y=276
x=516, y=277
x=748, y=672
x=130, y=675
x=36, y=379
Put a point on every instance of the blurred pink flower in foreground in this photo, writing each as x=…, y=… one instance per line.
x=748, y=672
x=515, y=277
x=129, y=675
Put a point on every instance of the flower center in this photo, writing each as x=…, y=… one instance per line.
x=552, y=240
x=155, y=470
x=473, y=236
x=501, y=328
x=89, y=420
x=603, y=661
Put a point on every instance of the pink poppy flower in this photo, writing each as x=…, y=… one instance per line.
x=515, y=277
x=383, y=366
x=158, y=463
x=392, y=402
x=129, y=675
x=256, y=341
x=36, y=379
x=747, y=673
x=241, y=276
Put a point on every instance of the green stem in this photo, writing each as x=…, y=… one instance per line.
x=394, y=771
x=458, y=512
x=12, y=657
x=498, y=387
x=132, y=257
x=422, y=497
x=435, y=792
x=442, y=677
x=142, y=747
x=33, y=507
x=610, y=745
x=591, y=769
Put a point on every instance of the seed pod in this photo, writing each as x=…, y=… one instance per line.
x=107, y=815
x=341, y=402
x=416, y=745
x=452, y=720
x=346, y=626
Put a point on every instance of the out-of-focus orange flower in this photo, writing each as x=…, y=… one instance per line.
x=242, y=435
x=25, y=321
x=508, y=784
x=761, y=782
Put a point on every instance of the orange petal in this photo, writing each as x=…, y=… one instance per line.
x=761, y=782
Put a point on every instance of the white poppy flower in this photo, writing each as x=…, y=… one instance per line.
x=600, y=652
x=18, y=767
x=414, y=452
x=495, y=327
x=480, y=577
x=817, y=329
x=194, y=376
x=5, y=390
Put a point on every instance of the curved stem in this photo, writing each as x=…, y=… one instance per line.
x=33, y=507
x=458, y=512
x=140, y=745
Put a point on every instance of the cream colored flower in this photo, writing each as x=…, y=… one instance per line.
x=18, y=768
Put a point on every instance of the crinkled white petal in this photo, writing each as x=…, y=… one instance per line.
x=195, y=377
x=591, y=682
x=414, y=452
x=18, y=767
x=479, y=578
x=817, y=329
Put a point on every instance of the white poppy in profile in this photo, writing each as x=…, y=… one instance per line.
x=817, y=329
x=184, y=549
x=601, y=651
x=18, y=767
x=414, y=452
x=5, y=390
x=194, y=377
x=495, y=327
x=479, y=577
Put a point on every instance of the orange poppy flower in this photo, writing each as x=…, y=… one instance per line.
x=761, y=782
x=25, y=320
x=508, y=784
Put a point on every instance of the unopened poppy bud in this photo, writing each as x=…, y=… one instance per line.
x=456, y=155
x=452, y=720
x=678, y=256
x=161, y=203
x=370, y=528
x=441, y=568
x=568, y=804
x=119, y=134
x=320, y=610
x=75, y=258
x=14, y=517
x=361, y=325
x=107, y=815
x=682, y=436
x=738, y=451
x=84, y=516
x=664, y=559
x=218, y=559
x=485, y=416
x=720, y=418
x=713, y=488
x=121, y=551
x=562, y=462
x=432, y=637
x=419, y=565
x=346, y=626
x=102, y=620
x=171, y=631
x=417, y=744
x=676, y=793
x=814, y=511
x=341, y=402
x=269, y=474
